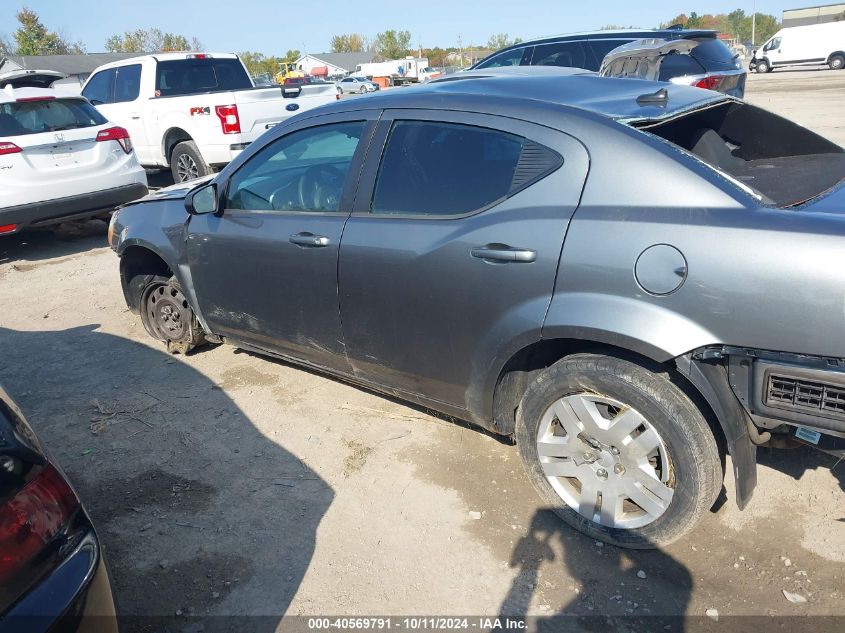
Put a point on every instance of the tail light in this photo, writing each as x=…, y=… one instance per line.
x=9, y=148
x=7, y=228
x=30, y=519
x=229, y=120
x=711, y=82
x=118, y=134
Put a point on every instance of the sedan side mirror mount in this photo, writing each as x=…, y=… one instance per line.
x=202, y=200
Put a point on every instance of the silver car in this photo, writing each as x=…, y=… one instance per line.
x=357, y=85
x=628, y=278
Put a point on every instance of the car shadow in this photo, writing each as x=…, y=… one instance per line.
x=207, y=524
x=616, y=589
x=797, y=461
x=55, y=240
x=158, y=178
x=501, y=439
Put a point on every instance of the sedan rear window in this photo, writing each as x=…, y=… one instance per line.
x=191, y=76
x=35, y=117
x=786, y=164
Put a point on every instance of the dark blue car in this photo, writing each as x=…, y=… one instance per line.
x=700, y=60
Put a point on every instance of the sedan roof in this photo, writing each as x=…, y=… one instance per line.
x=619, y=99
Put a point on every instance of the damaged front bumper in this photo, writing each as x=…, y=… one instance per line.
x=802, y=396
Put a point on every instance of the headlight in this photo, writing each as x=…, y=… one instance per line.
x=112, y=229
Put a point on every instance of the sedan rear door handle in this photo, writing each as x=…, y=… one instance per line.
x=504, y=253
x=309, y=239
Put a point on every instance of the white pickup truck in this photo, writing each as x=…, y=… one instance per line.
x=193, y=112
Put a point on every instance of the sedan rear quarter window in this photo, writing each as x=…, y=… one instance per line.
x=443, y=169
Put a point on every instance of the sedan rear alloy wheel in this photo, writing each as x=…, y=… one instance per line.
x=618, y=450
x=605, y=461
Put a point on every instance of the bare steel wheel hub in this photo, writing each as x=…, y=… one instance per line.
x=167, y=312
x=605, y=460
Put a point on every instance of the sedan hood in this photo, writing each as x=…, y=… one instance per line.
x=179, y=190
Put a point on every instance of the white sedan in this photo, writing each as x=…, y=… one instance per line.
x=61, y=159
x=358, y=85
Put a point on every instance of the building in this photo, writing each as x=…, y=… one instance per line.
x=814, y=15
x=332, y=64
x=76, y=68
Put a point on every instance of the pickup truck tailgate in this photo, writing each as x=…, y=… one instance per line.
x=261, y=109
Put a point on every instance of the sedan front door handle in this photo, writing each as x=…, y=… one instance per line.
x=309, y=239
x=504, y=253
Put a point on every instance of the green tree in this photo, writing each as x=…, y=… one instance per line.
x=259, y=64
x=348, y=43
x=501, y=40
x=681, y=19
x=392, y=45
x=150, y=41
x=33, y=38
x=436, y=56
x=292, y=55
x=767, y=25
x=735, y=24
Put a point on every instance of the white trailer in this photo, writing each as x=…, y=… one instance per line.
x=401, y=71
x=811, y=45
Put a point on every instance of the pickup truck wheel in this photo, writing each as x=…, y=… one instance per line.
x=167, y=316
x=837, y=62
x=619, y=452
x=187, y=163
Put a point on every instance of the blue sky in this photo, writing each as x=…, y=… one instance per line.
x=274, y=26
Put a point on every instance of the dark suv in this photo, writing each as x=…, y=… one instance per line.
x=707, y=63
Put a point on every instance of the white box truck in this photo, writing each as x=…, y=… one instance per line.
x=810, y=45
x=401, y=71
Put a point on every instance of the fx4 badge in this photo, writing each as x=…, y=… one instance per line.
x=200, y=111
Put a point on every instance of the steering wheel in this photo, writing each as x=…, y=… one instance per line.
x=320, y=187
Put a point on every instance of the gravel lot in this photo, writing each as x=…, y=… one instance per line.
x=224, y=483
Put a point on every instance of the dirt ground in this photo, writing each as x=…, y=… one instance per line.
x=223, y=483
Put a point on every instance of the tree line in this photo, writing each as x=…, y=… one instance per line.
x=393, y=44
x=737, y=23
x=32, y=37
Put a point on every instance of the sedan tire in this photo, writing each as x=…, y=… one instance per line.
x=619, y=452
x=167, y=316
